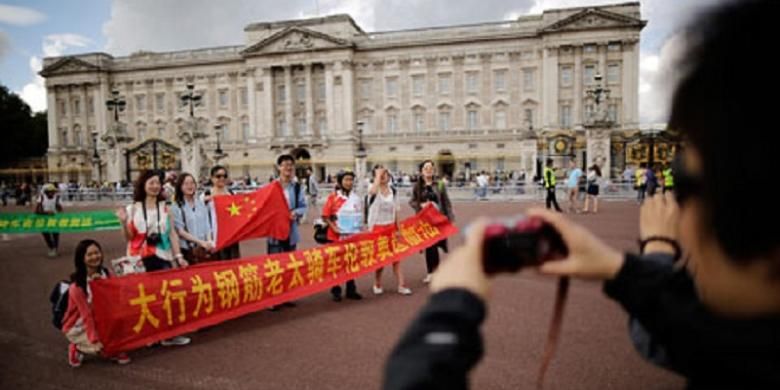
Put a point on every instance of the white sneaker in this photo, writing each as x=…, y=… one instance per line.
x=176, y=341
x=427, y=279
x=404, y=291
x=377, y=290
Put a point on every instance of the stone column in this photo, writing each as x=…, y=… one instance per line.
x=52, y=114
x=309, y=100
x=268, y=104
x=348, y=99
x=330, y=112
x=578, y=81
x=250, y=101
x=288, y=101
x=550, y=88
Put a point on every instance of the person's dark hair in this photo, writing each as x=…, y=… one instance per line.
x=373, y=170
x=217, y=168
x=283, y=158
x=179, y=191
x=715, y=102
x=596, y=169
x=139, y=192
x=420, y=184
x=340, y=177
x=549, y=162
x=80, y=275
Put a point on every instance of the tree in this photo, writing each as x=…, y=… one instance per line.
x=22, y=133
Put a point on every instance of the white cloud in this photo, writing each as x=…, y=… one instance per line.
x=54, y=45
x=20, y=16
x=658, y=75
x=34, y=92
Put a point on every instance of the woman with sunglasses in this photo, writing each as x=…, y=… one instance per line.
x=219, y=186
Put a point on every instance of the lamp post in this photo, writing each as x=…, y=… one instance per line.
x=96, y=158
x=115, y=135
x=219, y=154
x=191, y=99
x=600, y=95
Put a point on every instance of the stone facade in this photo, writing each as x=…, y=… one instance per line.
x=492, y=96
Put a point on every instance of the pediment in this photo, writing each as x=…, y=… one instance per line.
x=296, y=39
x=594, y=19
x=68, y=65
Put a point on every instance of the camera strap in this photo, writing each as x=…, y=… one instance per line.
x=146, y=220
x=554, y=331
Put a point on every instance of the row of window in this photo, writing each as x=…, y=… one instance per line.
x=300, y=92
x=589, y=73
x=301, y=127
x=444, y=120
x=142, y=132
x=140, y=102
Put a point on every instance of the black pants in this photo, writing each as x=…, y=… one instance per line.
x=551, y=199
x=432, y=258
x=280, y=247
x=154, y=263
x=52, y=240
x=640, y=194
x=351, y=289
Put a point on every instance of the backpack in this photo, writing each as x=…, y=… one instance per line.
x=59, y=302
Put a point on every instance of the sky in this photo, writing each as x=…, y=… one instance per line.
x=33, y=29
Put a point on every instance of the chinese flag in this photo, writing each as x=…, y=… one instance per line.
x=263, y=213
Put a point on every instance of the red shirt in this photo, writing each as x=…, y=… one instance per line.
x=332, y=206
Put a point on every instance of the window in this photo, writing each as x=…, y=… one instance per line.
x=365, y=89
x=281, y=94
x=90, y=106
x=418, y=83
x=321, y=91
x=613, y=73
x=391, y=86
x=161, y=130
x=180, y=104
x=76, y=107
x=612, y=112
x=159, y=102
x=282, y=127
x=590, y=49
x=588, y=111
x=392, y=122
x=63, y=108
x=64, y=132
x=566, y=116
x=444, y=120
x=444, y=83
x=225, y=128
x=528, y=80
x=141, y=132
x=322, y=124
x=473, y=146
x=245, y=131
x=500, y=80
x=566, y=76
x=419, y=121
x=223, y=98
x=614, y=47
x=140, y=103
x=529, y=117
x=471, y=119
x=588, y=74
x=244, y=97
x=367, y=121
x=471, y=82
x=500, y=164
x=300, y=92
x=501, y=119
x=302, y=128
x=77, y=136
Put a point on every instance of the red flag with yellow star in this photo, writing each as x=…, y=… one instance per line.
x=262, y=213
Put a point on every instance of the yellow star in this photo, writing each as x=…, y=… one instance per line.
x=246, y=199
x=234, y=209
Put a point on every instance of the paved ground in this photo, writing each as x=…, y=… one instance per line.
x=326, y=345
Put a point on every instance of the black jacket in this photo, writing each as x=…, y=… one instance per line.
x=444, y=343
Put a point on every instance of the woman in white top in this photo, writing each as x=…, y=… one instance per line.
x=383, y=206
x=49, y=204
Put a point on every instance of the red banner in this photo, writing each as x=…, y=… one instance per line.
x=137, y=310
x=262, y=213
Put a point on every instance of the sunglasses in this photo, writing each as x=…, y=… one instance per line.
x=221, y=176
x=686, y=185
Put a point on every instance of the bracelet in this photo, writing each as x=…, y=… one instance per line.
x=179, y=256
x=672, y=242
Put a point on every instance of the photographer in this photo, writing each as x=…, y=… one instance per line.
x=718, y=317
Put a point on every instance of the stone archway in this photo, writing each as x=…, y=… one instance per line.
x=446, y=162
x=302, y=161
